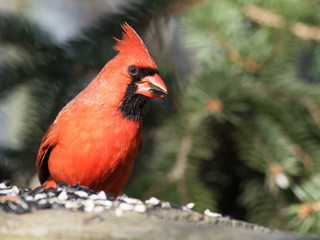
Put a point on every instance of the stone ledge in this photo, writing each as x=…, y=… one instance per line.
x=154, y=224
x=76, y=212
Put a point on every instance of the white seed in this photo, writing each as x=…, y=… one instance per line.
x=3, y=186
x=40, y=196
x=165, y=205
x=73, y=204
x=152, y=201
x=106, y=203
x=132, y=200
x=208, y=213
x=140, y=208
x=15, y=189
x=81, y=193
x=88, y=205
x=8, y=192
x=23, y=204
x=63, y=196
x=42, y=201
x=125, y=206
x=190, y=205
x=102, y=195
x=29, y=198
x=52, y=200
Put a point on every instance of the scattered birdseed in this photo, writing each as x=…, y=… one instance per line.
x=77, y=198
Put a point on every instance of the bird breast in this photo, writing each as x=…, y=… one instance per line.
x=96, y=141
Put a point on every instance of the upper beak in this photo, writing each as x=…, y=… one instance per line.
x=152, y=86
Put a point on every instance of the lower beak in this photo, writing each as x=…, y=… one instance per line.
x=152, y=86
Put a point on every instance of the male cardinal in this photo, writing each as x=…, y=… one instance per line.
x=96, y=136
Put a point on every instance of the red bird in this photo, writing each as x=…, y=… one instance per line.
x=96, y=136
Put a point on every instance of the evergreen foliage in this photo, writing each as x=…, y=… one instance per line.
x=240, y=135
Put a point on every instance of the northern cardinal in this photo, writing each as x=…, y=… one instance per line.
x=96, y=136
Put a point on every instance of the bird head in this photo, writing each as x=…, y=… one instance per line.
x=139, y=65
x=131, y=77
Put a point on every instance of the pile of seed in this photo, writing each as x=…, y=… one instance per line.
x=74, y=198
x=80, y=198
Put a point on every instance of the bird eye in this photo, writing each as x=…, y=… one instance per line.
x=133, y=70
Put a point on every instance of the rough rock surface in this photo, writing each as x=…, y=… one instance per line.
x=75, y=212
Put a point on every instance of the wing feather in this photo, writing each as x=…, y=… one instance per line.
x=49, y=141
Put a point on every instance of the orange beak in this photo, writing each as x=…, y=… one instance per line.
x=152, y=86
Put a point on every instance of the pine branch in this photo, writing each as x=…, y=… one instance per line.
x=248, y=63
x=270, y=19
x=259, y=203
x=306, y=215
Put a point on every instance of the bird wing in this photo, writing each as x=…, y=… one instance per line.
x=49, y=141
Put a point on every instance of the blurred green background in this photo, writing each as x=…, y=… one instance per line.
x=239, y=132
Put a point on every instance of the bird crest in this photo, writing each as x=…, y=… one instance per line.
x=132, y=45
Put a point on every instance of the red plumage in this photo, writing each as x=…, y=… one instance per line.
x=96, y=136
